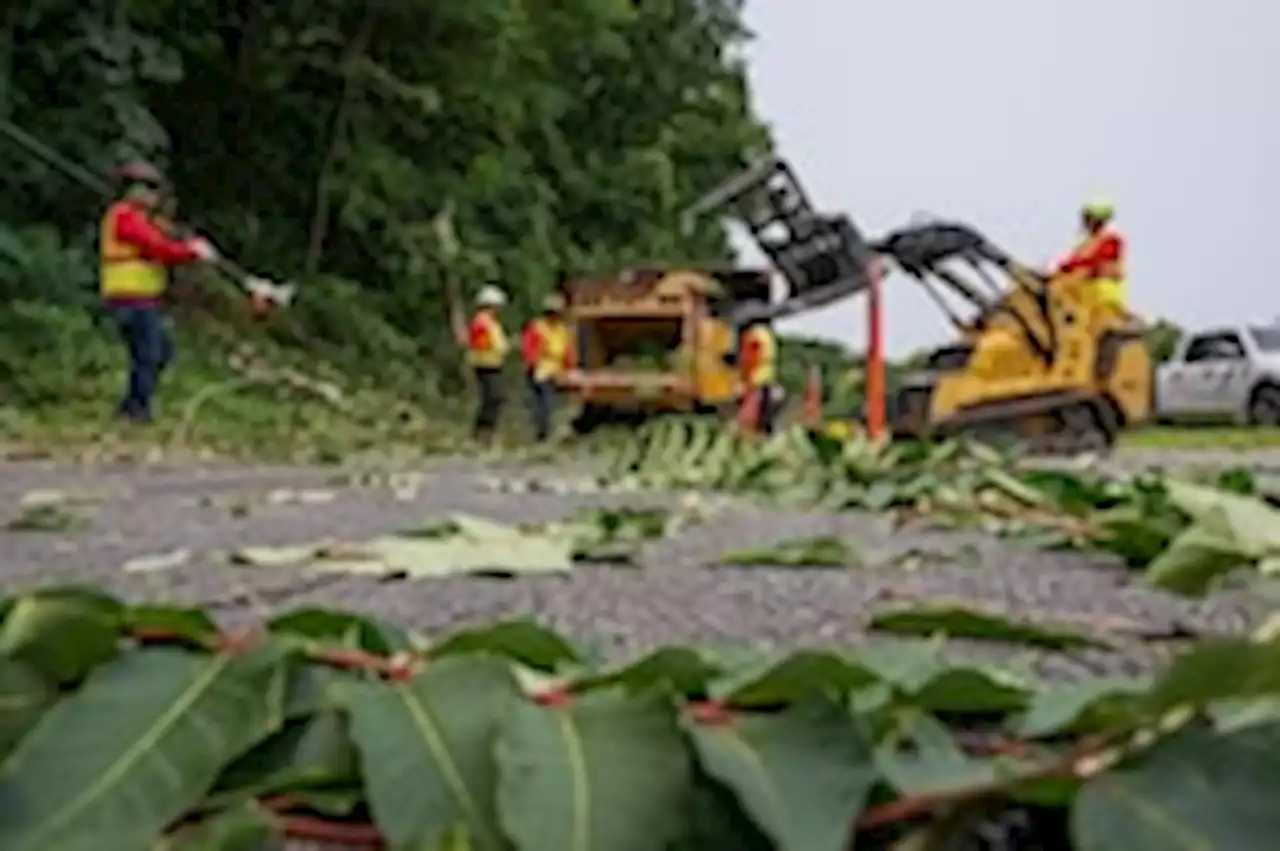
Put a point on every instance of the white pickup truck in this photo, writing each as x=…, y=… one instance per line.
x=1222, y=374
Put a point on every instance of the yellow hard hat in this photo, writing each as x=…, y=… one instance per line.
x=1099, y=208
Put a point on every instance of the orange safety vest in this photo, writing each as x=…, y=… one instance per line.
x=122, y=271
x=760, y=362
x=553, y=349
x=1107, y=275
x=493, y=350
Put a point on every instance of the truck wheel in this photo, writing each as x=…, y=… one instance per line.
x=1264, y=407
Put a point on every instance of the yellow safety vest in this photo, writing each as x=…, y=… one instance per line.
x=765, y=369
x=555, y=345
x=122, y=271
x=1110, y=279
x=494, y=353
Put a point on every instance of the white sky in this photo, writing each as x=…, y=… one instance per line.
x=1008, y=114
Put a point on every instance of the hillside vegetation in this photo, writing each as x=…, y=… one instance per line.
x=317, y=143
x=321, y=144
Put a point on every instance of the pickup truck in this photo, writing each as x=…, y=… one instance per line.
x=1222, y=374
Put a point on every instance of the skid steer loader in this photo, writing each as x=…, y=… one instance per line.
x=1039, y=360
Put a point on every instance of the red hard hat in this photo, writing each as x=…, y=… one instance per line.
x=140, y=172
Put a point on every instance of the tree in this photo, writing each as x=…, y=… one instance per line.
x=323, y=138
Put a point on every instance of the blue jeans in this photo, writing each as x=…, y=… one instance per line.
x=150, y=350
x=542, y=405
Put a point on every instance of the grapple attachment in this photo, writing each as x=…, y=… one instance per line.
x=921, y=249
x=823, y=258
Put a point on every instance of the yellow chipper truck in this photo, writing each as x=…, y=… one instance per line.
x=656, y=340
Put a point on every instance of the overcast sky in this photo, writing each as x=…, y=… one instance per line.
x=1009, y=113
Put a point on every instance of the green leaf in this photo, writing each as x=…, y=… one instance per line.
x=505, y=554
x=1085, y=705
x=679, y=671
x=356, y=632
x=1196, y=790
x=799, y=552
x=716, y=820
x=1214, y=671
x=64, y=633
x=248, y=827
x=1196, y=559
x=467, y=545
x=801, y=675
x=311, y=753
x=135, y=748
x=928, y=679
x=193, y=625
x=426, y=750
x=958, y=622
x=312, y=689
x=803, y=775
x=605, y=773
x=1229, y=531
x=24, y=695
x=1248, y=520
x=521, y=641
x=922, y=758
x=1240, y=713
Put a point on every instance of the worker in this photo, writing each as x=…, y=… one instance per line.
x=486, y=352
x=758, y=365
x=135, y=255
x=1100, y=254
x=546, y=351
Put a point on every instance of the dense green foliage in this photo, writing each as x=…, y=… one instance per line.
x=119, y=722
x=320, y=143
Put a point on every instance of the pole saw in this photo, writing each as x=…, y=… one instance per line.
x=260, y=290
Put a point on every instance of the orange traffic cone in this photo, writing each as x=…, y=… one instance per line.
x=812, y=402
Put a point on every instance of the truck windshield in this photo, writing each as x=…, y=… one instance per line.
x=1266, y=339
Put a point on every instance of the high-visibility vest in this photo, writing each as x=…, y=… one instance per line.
x=553, y=348
x=122, y=271
x=492, y=351
x=761, y=366
x=1108, y=275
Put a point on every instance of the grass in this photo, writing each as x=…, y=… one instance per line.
x=1230, y=438
x=256, y=401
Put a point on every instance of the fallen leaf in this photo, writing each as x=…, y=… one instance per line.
x=157, y=562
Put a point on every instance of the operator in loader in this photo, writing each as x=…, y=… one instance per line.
x=546, y=350
x=758, y=365
x=1100, y=254
x=486, y=352
x=135, y=255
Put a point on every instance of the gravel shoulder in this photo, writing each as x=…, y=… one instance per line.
x=674, y=595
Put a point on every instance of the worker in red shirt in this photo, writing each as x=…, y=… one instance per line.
x=546, y=350
x=486, y=353
x=135, y=255
x=1100, y=254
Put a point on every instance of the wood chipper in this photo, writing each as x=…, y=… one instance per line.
x=654, y=340
x=1040, y=360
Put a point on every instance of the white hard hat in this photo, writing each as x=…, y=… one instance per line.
x=491, y=296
